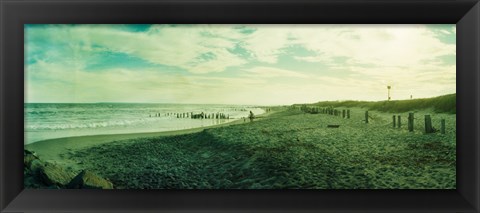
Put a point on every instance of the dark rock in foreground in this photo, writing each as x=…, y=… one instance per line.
x=41, y=174
x=52, y=174
x=28, y=157
x=89, y=180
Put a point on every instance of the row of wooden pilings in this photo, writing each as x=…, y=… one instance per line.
x=191, y=115
x=397, y=123
x=396, y=119
x=345, y=113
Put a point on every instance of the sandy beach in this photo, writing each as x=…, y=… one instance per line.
x=55, y=150
x=283, y=149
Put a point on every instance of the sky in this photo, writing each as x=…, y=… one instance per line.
x=237, y=64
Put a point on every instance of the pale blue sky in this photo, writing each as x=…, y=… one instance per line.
x=237, y=64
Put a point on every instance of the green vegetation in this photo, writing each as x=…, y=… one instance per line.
x=288, y=149
x=440, y=104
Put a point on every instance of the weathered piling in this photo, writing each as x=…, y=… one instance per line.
x=366, y=117
x=428, y=124
x=348, y=114
x=442, y=129
x=394, y=123
x=410, y=121
x=399, y=120
x=343, y=113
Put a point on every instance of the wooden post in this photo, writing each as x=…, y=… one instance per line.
x=443, y=126
x=399, y=122
x=348, y=114
x=394, y=123
x=410, y=121
x=343, y=113
x=366, y=117
x=428, y=124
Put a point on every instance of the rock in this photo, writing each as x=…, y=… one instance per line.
x=28, y=152
x=52, y=174
x=89, y=180
x=36, y=165
x=28, y=157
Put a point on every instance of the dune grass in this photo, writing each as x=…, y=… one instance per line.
x=440, y=104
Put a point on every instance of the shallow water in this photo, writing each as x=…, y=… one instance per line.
x=48, y=121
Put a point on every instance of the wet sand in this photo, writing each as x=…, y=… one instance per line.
x=56, y=150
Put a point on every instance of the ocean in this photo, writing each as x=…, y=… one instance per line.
x=45, y=121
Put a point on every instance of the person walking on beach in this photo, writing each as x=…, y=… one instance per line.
x=251, y=116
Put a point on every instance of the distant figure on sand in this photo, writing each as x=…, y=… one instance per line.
x=251, y=116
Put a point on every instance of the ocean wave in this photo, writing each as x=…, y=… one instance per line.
x=50, y=119
x=88, y=124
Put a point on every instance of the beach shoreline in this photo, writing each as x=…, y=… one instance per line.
x=282, y=149
x=55, y=149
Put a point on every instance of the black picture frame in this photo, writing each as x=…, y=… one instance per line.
x=15, y=13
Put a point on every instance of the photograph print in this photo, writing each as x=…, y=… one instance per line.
x=135, y=106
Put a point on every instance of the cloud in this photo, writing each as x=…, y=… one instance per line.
x=178, y=46
x=237, y=63
x=266, y=42
x=270, y=72
x=380, y=45
x=54, y=82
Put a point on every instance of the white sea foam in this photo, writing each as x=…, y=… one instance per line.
x=47, y=121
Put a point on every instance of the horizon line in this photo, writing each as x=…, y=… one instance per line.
x=231, y=104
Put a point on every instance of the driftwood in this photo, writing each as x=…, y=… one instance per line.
x=333, y=126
